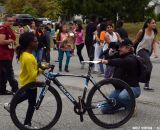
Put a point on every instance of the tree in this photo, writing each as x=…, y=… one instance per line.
x=2, y=2
x=131, y=10
x=40, y=8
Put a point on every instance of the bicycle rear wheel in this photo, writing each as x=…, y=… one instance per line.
x=110, y=114
x=45, y=117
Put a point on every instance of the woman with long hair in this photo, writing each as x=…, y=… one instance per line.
x=146, y=43
x=79, y=41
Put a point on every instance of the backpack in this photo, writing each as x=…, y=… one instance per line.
x=139, y=40
x=142, y=69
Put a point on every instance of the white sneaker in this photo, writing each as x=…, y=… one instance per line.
x=7, y=106
x=30, y=127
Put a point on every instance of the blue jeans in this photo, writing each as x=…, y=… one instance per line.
x=61, y=55
x=122, y=99
x=109, y=71
x=38, y=55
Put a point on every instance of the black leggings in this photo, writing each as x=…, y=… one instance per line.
x=31, y=95
x=79, y=52
x=146, y=55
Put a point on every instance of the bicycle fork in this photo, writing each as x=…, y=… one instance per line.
x=41, y=96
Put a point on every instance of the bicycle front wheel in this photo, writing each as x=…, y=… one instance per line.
x=106, y=103
x=23, y=108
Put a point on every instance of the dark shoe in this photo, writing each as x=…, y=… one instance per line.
x=66, y=68
x=146, y=85
x=60, y=68
x=148, y=89
x=6, y=93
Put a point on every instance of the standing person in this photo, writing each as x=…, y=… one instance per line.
x=98, y=68
x=146, y=36
x=28, y=74
x=97, y=49
x=111, y=38
x=90, y=29
x=7, y=42
x=32, y=27
x=46, y=52
x=80, y=43
x=120, y=30
x=52, y=27
x=103, y=45
x=57, y=26
x=38, y=53
x=71, y=38
x=21, y=29
x=63, y=47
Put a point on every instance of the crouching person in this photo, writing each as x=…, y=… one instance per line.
x=126, y=69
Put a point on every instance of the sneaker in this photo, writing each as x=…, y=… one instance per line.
x=105, y=108
x=30, y=127
x=7, y=107
x=148, y=89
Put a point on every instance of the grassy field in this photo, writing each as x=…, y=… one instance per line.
x=133, y=28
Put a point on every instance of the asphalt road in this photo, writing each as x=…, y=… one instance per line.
x=148, y=104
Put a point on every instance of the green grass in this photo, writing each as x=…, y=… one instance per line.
x=133, y=28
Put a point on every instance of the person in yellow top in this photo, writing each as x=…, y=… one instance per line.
x=28, y=73
x=29, y=68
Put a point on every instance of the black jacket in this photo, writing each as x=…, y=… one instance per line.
x=40, y=38
x=126, y=69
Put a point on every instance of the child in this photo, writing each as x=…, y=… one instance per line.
x=28, y=74
x=63, y=47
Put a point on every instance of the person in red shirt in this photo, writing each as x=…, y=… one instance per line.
x=7, y=43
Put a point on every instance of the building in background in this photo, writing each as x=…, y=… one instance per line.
x=155, y=3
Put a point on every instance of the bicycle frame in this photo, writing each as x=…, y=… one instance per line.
x=53, y=77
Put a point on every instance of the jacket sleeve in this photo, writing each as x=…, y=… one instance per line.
x=119, y=62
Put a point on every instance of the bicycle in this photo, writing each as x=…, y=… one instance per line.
x=48, y=95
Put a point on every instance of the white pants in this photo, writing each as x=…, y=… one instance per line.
x=97, y=52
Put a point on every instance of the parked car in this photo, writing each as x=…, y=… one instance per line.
x=25, y=19
x=45, y=21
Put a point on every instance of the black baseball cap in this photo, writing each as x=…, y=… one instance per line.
x=126, y=42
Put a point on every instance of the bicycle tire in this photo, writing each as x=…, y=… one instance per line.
x=55, y=118
x=91, y=94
